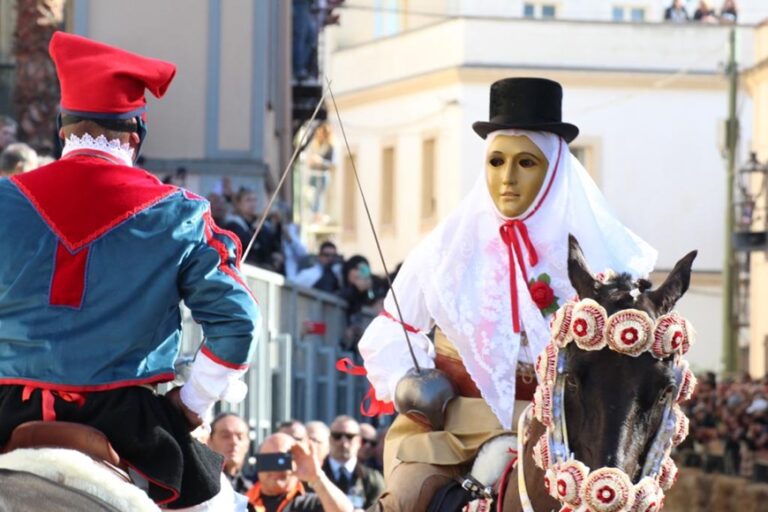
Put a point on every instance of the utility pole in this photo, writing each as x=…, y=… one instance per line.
x=730, y=324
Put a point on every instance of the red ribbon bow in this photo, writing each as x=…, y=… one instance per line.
x=49, y=397
x=514, y=234
x=375, y=406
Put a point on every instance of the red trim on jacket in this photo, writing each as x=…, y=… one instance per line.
x=97, y=153
x=174, y=493
x=55, y=386
x=68, y=281
x=213, y=357
x=81, y=198
x=221, y=248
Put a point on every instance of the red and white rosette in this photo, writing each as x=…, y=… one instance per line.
x=668, y=473
x=550, y=482
x=671, y=336
x=608, y=490
x=629, y=332
x=648, y=496
x=588, y=325
x=690, y=336
x=681, y=425
x=569, y=482
x=542, y=404
x=560, y=326
x=687, y=384
x=546, y=364
x=542, y=457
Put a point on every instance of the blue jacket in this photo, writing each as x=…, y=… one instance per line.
x=94, y=261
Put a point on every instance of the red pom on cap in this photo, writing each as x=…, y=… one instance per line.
x=103, y=80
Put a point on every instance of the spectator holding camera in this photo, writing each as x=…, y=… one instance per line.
x=281, y=489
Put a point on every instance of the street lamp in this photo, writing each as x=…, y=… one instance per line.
x=749, y=232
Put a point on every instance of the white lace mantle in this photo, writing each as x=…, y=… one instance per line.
x=459, y=276
x=122, y=152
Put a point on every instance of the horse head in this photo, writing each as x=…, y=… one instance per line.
x=605, y=414
x=614, y=402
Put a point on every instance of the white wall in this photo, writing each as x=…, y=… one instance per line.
x=702, y=306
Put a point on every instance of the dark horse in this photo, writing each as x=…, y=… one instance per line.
x=613, y=402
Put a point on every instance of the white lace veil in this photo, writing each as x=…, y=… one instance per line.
x=463, y=267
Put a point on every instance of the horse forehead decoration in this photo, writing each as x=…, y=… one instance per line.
x=629, y=332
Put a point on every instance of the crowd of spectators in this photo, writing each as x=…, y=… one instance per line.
x=17, y=157
x=278, y=247
x=729, y=427
x=336, y=468
x=704, y=12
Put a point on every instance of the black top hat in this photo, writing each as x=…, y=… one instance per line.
x=526, y=104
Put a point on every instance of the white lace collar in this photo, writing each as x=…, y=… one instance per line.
x=122, y=152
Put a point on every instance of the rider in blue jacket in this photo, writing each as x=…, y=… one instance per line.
x=95, y=257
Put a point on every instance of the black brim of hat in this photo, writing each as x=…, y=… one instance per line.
x=565, y=130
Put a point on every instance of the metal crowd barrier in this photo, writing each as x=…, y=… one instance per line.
x=293, y=374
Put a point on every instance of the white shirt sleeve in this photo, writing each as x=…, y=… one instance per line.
x=210, y=382
x=383, y=345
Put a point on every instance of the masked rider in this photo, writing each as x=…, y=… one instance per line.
x=487, y=279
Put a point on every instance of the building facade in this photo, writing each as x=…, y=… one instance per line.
x=757, y=82
x=227, y=113
x=650, y=100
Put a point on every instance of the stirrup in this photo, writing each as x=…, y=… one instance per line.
x=475, y=488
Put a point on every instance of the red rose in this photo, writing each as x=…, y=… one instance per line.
x=542, y=294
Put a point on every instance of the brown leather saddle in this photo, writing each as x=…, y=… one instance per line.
x=73, y=436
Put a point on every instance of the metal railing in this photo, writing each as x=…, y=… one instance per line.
x=293, y=374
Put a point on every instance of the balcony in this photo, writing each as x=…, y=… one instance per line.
x=586, y=47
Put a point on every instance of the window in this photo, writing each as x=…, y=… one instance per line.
x=547, y=11
x=539, y=10
x=387, y=214
x=428, y=200
x=627, y=13
x=386, y=19
x=580, y=152
x=528, y=10
x=349, y=201
x=586, y=154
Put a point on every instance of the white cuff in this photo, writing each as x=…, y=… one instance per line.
x=210, y=382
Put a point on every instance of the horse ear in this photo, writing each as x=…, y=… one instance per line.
x=666, y=296
x=578, y=271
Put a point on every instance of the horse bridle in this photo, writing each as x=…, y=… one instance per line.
x=668, y=336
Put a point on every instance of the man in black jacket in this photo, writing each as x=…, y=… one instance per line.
x=362, y=485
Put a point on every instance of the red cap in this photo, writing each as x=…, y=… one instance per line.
x=101, y=81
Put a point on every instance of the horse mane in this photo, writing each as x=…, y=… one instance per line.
x=616, y=292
